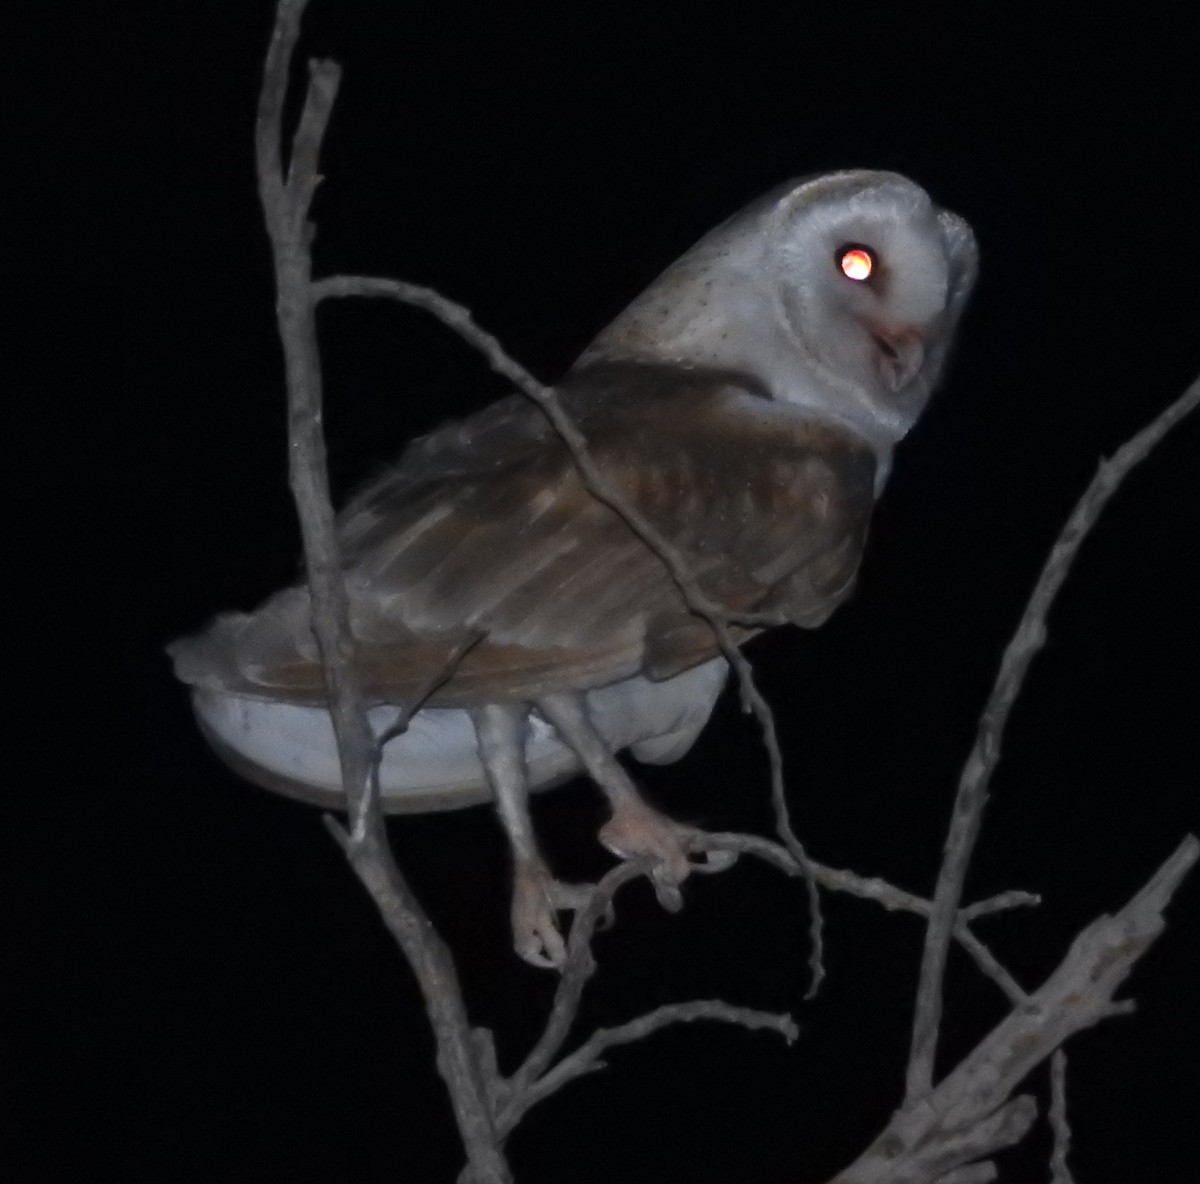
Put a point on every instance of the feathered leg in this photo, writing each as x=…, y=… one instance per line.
x=500, y=731
x=635, y=828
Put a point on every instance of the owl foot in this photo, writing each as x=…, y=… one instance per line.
x=537, y=899
x=637, y=829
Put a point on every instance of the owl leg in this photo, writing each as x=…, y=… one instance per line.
x=635, y=828
x=500, y=732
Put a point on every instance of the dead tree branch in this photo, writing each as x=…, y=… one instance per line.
x=587, y=1058
x=967, y=1117
x=285, y=207
x=981, y=764
x=539, y=1076
x=1060, y=1173
x=887, y=895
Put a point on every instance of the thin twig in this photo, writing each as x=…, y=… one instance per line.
x=405, y=712
x=1000, y=903
x=990, y=964
x=1060, y=1173
x=587, y=1058
x=458, y=318
x=873, y=888
x=981, y=764
x=285, y=207
x=887, y=895
x=576, y=970
x=538, y=1077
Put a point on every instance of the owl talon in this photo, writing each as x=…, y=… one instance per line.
x=669, y=896
x=536, y=936
x=636, y=830
x=537, y=899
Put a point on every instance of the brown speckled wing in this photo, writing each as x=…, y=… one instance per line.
x=485, y=528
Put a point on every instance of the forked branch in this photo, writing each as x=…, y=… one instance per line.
x=285, y=203
x=981, y=764
x=968, y=1117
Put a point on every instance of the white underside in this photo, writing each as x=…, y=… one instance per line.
x=435, y=763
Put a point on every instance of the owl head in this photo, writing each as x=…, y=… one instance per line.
x=839, y=294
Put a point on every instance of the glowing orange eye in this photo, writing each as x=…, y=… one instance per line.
x=856, y=263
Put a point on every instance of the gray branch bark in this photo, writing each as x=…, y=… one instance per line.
x=285, y=207
x=1060, y=1172
x=968, y=1117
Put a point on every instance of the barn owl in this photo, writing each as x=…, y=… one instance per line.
x=747, y=403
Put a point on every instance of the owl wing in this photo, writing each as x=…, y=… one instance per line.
x=484, y=539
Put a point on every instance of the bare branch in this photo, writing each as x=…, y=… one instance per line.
x=587, y=1058
x=268, y=127
x=536, y=1080
x=888, y=895
x=989, y=964
x=871, y=888
x=977, y=773
x=405, y=713
x=576, y=970
x=1060, y=1173
x=459, y=319
x=967, y=1117
x=324, y=77
x=999, y=904
x=285, y=207
x=527, y=1085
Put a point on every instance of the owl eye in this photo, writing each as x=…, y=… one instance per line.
x=855, y=262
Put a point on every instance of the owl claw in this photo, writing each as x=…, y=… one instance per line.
x=636, y=829
x=668, y=895
x=536, y=936
x=537, y=899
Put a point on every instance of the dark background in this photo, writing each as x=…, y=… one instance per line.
x=194, y=986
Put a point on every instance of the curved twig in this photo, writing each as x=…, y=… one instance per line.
x=539, y=1076
x=458, y=318
x=1060, y=1173
x=587, y=1057
x=886, y=895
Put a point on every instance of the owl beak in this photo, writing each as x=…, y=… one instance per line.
x=900, y=353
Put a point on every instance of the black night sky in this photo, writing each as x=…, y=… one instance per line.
x=193, y=987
